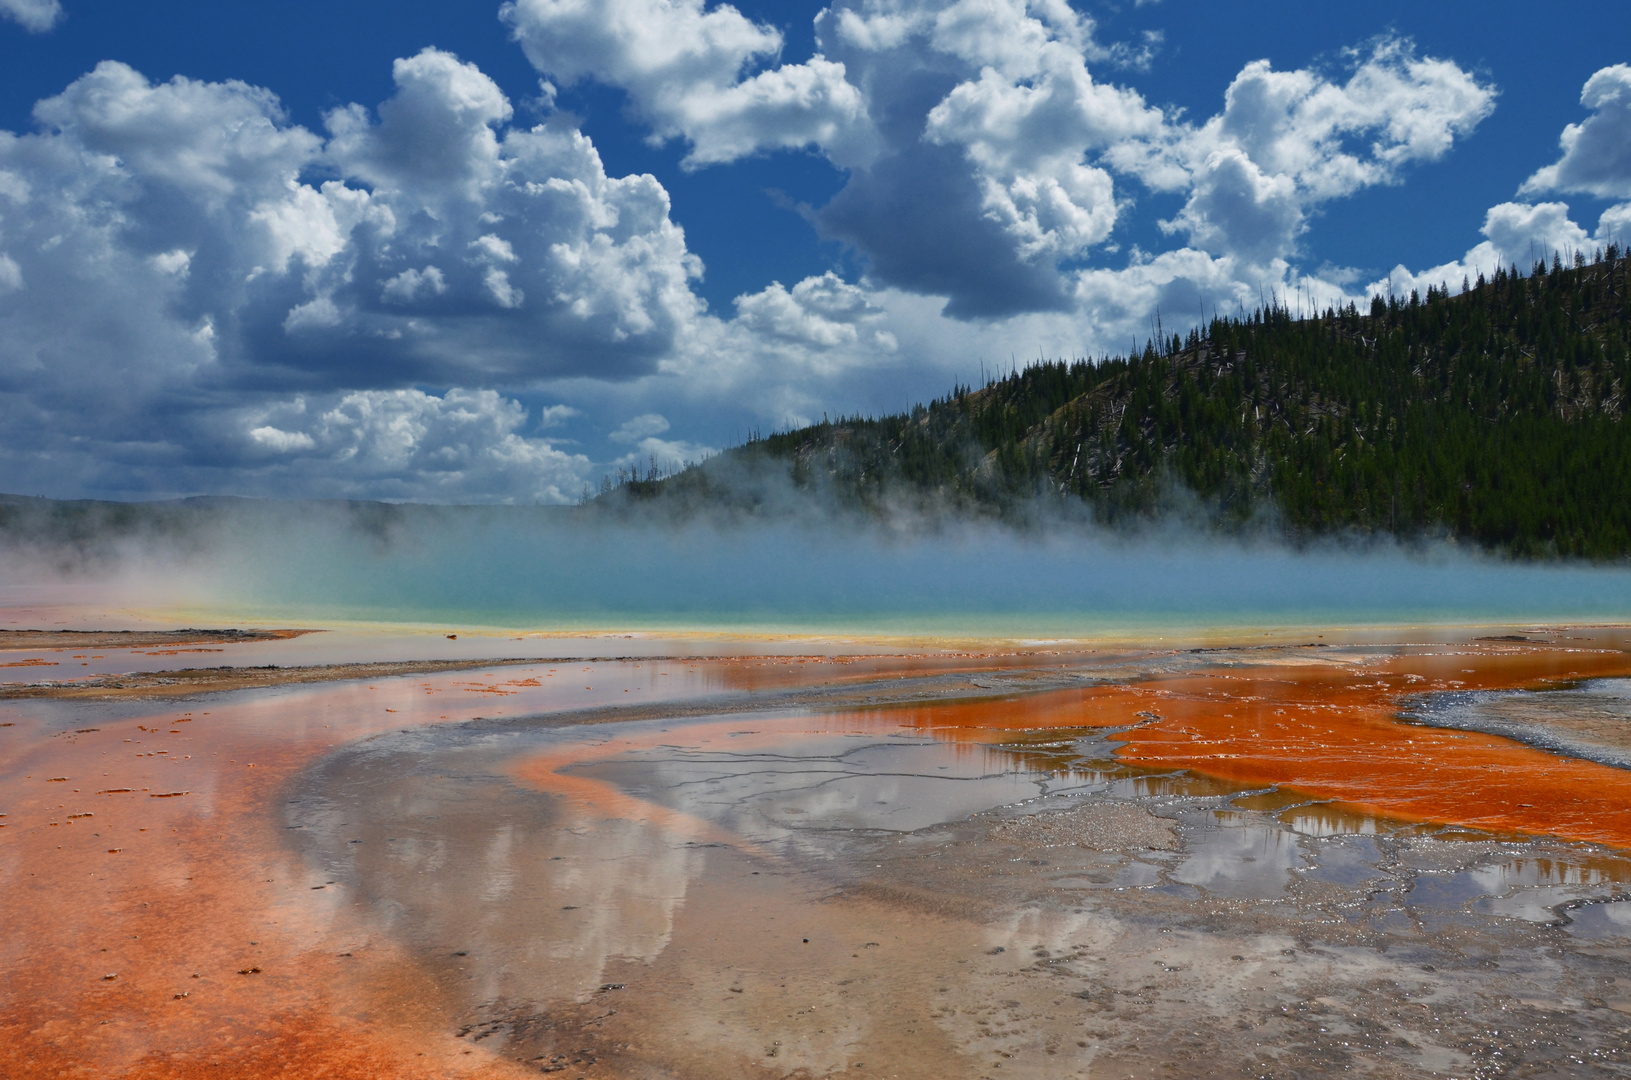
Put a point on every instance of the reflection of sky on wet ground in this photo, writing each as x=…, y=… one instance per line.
x=521, y=864
x=769, y=781
x=606, y=870
x=663, y=855
x=1595, y=922
x=1240, y=857
x=777, y=778
x=161, y=853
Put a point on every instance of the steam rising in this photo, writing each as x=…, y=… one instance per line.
x=548, y=568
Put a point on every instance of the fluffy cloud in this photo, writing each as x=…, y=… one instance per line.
x=513, y=241
x=640, y=427
x=991, y=147
x=1596, y=161
x=824, y=311
x=1287, y=141
x=686, y=72
x=991, y=121
x=408, y=444
x=35, y=15
x=274, y=305
x=1515, y=234
x=1615, y=225
x=1236, y=207
x=285, y=310
x=651, y=452
x=1518, y=234
x=1026, y=131
x=446, y=250
x=1596, y=152
x=964, y=123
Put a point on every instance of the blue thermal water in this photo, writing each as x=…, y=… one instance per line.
x=981, y=580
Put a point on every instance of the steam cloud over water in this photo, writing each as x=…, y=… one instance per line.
x=546, y=568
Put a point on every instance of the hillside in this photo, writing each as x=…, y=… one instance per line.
x=1495, y=415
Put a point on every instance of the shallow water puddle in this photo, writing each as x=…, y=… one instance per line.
x=766, y=778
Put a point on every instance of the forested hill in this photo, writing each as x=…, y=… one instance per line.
x=1495, y=415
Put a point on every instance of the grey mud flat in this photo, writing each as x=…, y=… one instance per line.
x=826, y=902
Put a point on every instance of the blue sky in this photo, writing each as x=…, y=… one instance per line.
x=444, y=252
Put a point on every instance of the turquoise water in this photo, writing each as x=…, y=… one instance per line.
x=556, y=574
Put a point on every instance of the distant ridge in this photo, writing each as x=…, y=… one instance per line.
x=1495, y=416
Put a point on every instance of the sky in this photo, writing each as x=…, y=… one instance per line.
x=458, y=252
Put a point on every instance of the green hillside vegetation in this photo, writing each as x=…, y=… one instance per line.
x=1494, y=415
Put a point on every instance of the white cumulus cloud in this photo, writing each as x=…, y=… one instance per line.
x=1287, y=141
x=825, y=312
x=985, y=186
x=1597, y=151
x=35, y=15
x=464, y=444
x=687, y=70
x=651, y=451
x=984, y=190
x=1596, y=161
x=444, y=248
x=375, y=309
x=413, y=284
x=449, y=246
x=640, y=427
x=1027, y=132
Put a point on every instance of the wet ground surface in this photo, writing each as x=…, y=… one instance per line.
x=1591, y=720
x=781, y=898
x=1239, y=863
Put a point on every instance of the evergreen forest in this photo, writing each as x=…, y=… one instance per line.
x=1494, y=415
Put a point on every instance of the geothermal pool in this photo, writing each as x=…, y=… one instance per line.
x=1406, y=853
